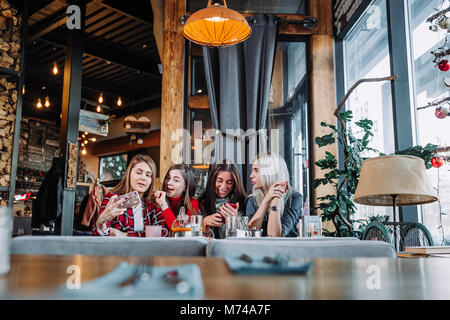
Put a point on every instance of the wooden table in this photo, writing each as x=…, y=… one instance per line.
x=31, y=275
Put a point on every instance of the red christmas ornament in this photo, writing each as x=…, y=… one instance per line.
x=437, y=162
x=441, y=112
x=444, y=65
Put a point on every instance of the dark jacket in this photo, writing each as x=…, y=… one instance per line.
x=47, y=206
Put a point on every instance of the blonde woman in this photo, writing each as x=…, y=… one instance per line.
x=113, y=221
x=273, y=206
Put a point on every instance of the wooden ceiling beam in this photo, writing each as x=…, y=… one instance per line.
x=112, y=54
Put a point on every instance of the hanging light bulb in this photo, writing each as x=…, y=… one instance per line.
x=99, y=109
x=23, y=89
x=39, y=104
x=100, y=98
x=86, y=142
x=93, y=139
x=55, y=69
x=47, y=102
x=83, y=152
x=119, y=102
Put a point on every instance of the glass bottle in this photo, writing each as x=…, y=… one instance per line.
x=181, y=227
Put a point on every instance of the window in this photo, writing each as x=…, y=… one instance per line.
x=288, y=111
x=428, y=86
x=112, y=168
x=366, y=55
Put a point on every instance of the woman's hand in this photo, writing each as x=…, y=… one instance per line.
x=276, y=191
x=227, y=210
x=160, y=199
x=111, y=211
x=117, y=233
x=213, y=220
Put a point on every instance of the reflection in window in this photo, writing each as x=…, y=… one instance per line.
x=428, y=87
x=366, y=51
x=288, y=103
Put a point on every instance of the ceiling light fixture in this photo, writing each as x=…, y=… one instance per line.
x=217, y=26
x=55, y=69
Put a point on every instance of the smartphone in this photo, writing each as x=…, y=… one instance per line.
x=131, y=199
x=232, y=205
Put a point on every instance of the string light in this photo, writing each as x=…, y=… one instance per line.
x=93, y=139
x=83, y=152
x=55, y=69
x=100, y=99
x=119, y=102
x=39, y=104
x=47, y=102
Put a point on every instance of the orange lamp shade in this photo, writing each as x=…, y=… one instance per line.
x=217, y=26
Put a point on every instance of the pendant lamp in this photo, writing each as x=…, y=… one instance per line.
x=217, y=26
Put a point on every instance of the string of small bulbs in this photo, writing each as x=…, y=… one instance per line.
x=55, y=72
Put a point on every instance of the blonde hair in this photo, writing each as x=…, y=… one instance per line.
x=124, y=185
x=272, y=168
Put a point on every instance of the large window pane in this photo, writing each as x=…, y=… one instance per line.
x=288, y=111
x=429, y=87
x=366, y=52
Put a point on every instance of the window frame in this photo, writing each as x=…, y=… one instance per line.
x=401, y=89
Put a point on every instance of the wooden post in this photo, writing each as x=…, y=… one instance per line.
x=172, y=81
x=323, y=88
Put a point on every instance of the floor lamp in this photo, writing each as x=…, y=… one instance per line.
x=394, y=181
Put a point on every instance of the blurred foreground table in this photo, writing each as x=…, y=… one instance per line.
x=39, y=276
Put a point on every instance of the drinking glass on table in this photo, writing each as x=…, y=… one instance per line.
x=231, y=226
x=6, y=218
x=196, y=225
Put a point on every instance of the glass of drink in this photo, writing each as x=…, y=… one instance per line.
x=5, y=238
x=196, y=225
x=231, y=226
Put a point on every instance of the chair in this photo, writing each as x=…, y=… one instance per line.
x=408, y=234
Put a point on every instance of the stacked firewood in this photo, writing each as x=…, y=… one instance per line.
x=10, y=24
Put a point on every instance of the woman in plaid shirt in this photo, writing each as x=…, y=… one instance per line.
x=113, y=221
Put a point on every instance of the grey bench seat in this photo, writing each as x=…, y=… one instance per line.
x=301, y=248
x=120, y=246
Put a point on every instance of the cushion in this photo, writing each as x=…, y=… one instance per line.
x=120, y=246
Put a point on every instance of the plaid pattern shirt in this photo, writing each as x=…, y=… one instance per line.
x=125, y=222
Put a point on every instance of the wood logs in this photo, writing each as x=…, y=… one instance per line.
x=10, y=23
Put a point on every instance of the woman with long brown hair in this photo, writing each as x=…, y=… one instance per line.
x=178, y=191
x=223, y=187
x=114, y=221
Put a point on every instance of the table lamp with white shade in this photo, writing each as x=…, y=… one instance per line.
x=398, y=180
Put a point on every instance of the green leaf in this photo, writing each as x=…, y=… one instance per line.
x=324, y=124
x=346, y=116
x=325, y=140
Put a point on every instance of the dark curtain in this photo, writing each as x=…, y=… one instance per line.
x=238, y=80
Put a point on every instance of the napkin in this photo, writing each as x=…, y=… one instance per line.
x=156, y=287
x=258, y=266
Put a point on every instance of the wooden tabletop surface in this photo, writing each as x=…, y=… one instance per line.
x=358, y=278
